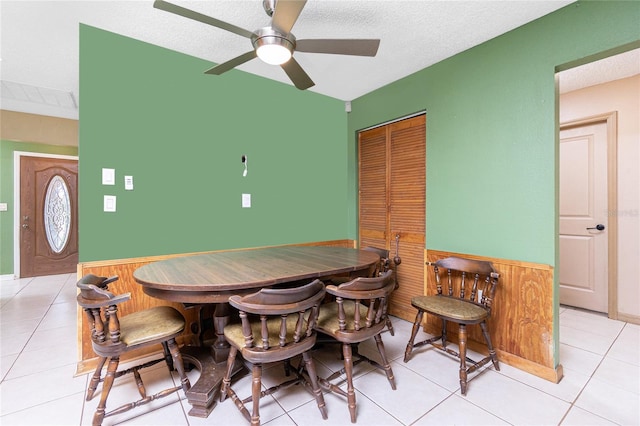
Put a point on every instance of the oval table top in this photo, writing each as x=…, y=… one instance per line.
x=213, y=277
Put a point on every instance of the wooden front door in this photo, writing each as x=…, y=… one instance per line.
x=48, y=216
x=392, y=196
x=583, y=211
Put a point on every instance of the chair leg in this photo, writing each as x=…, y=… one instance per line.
x=139, y=383
x=414, y=332
x=178, y=364
x=95, y=380
x=385, y=362
x=390, y=327
x=226, y=390
x=287, y=367
x=348, y=369
x=492, y=352
x=106, y=388
x=226, y=381
x=255, y=393
x=167, y=356
x=462, y=341
x=444, y=334
x=313, y=376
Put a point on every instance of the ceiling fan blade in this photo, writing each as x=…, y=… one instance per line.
x=358, y=47
x=179, y=10
x=297, y=75
x=286, y=13
x=232, y=63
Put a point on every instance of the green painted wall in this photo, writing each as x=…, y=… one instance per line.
x=151, y=113
x=7, y=148
x=492, y=129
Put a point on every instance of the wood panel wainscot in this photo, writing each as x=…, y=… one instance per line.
x=522, y=316
x=124, y=268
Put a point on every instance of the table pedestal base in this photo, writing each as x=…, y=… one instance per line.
x=205, y=392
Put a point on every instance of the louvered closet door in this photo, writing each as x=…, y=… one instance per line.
x=373, y=188
x=392, y=201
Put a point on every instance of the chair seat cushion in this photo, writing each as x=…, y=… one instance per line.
x=450, y=307
x=158, y=323
x=233, y=332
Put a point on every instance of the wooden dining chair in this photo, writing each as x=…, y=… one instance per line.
x=465, y=298
x=275, y=325
x=358, y=313
x=112, y=336
x=385, y=264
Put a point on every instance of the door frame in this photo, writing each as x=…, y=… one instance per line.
x=610, y=119
x=17, y=156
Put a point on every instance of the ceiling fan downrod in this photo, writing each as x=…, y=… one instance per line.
x=269, y=6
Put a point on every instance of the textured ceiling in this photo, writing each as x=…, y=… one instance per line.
x=39, y=40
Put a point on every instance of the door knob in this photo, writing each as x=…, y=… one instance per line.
x=599, y=227
x=25, y=226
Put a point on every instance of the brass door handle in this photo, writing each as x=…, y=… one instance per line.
x=397, y=259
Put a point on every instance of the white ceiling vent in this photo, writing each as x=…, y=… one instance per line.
x=24, y=98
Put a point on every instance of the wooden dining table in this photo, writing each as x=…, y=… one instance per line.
x=211, y=278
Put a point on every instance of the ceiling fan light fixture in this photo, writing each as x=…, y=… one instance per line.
x=273, y=47
x=273, y=54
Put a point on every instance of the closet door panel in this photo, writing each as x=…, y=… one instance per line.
x=407, y=209
x=373, y=188
x=392, y=177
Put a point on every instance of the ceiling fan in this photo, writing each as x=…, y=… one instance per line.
x=275, y=44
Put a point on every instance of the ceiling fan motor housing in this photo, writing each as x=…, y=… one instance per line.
x=269, y=35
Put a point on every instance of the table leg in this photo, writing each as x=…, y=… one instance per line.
x=204, y=393
x=220, y=348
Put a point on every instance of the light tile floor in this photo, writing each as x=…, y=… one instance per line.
x=601, y=384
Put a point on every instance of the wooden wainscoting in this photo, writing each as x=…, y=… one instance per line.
x=124, y=269
x=521, y=323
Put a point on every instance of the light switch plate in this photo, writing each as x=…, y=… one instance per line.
x=109, y=203
x=246, y=201
x=3, y=207
x=108, y=176
x=128, y=183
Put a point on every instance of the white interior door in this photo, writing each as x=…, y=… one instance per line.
x=583, y=217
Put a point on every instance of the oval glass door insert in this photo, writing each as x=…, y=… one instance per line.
x=57, y=214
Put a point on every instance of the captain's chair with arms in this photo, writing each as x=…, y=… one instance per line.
x=276, y=325
x=384, y=265
x=358, y=313
x=112, y=336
